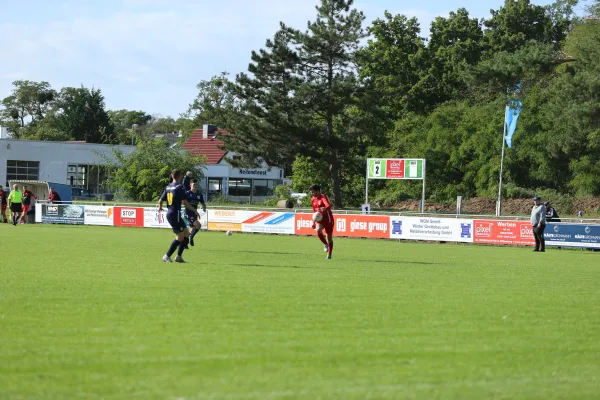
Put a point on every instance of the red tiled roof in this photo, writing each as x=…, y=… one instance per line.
x=198, y=146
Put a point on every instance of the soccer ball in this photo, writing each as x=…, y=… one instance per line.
x=317, y=217
x=228, y=233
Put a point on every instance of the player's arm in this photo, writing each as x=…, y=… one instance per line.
x=202, y=202
x=326, y=205
x=190, y=207
x=163, y=197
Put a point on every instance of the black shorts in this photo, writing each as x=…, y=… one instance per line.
x=176, y=222
x=191, y=218
x=15, y=207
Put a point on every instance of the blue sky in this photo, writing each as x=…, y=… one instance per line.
x=150, y=54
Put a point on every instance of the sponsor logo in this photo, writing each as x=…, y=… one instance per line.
x=465, y=231
x=556, y=228
x=303, y=223
x=224, y=213
x=246, y=171
x=128, y=213
x=396, y=227
x=52, y=210
x=526, y=231
x=484, y=230
x=587, y=230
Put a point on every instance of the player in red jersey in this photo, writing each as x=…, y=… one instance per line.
x=3, y=206
x=27, y=196
x=321, y=203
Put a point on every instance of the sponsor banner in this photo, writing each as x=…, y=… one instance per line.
x=229, y=220
x=518, y=233
x=62, y=214
x=155, y=219
x=270, y=222
x=98, y=215
x=572, y=235
x=368, y=226
x=437, y=229
x=129, y=216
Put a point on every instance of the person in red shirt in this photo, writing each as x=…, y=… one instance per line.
x=53, y=197
x=27, y=196
x=321, y=203
x=3, y=209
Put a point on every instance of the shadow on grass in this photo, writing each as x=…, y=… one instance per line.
x=400, y=262
x=265, y=252
x=278, y=266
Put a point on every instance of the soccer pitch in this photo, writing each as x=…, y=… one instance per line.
x=92, y=312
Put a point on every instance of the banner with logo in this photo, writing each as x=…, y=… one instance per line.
x=270, y=222
x=129, y=216
x=62, y=214
x=228, y=220
x=518, y=233
x=436, y=229
x=367, y=226
x=98, y=215
x=155, y=219
x=572, y=235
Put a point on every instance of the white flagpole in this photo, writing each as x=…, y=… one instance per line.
x=499, y=202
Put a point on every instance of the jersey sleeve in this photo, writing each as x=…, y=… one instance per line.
x=326, y=202
x=179, y=193
x=163, y=196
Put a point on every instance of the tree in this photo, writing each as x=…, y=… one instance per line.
x=80, y=114
x=122, y=122
x=143, y=174
x=519, y=22
x=303, y=84
x=28, y=104
x=215, y=102
x=390, y=64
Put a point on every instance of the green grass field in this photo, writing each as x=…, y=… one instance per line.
x=92, y=312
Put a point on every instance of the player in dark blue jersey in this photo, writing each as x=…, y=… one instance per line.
x=194, y=197
x=174, y=195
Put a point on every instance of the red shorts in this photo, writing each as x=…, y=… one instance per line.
x=25, y=208
x=327, y=226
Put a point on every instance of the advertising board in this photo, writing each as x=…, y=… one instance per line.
x=129, y=216
x=488, y=231
x=367, y=226
x=436, y=229
x=572, y=235
x=62, y=214
x=270, y=222
x=155, y=219
x=98, y=215
x=228, y=220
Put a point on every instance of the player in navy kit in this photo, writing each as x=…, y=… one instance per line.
x=174, y=195
x=194, y=198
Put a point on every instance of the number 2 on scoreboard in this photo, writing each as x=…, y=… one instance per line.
x=377, y=168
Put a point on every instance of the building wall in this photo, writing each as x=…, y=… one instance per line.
x=54, y=157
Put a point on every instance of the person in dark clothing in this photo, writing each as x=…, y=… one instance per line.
x=187, y=179
x=174, y=195
x=53, y=197
x=194, y=197
x=538, y=224
x=551, y=214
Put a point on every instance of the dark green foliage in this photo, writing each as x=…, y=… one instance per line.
x=143, y=174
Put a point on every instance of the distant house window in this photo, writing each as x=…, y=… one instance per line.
x=22, y=170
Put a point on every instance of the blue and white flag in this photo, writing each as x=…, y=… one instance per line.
x=513, y=109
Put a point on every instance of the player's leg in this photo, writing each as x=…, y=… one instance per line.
x=174, y=222
x=329, y=232
x=3, y=215
x=24, y=211
x=184, y=239
x=320, y=234
x=195, y=228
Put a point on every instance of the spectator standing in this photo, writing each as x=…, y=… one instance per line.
x=551, y=214
x=3, y=206
x=53, y=197
x=538, y=223
x=27, y=196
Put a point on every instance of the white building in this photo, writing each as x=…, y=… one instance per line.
x=242, y=185
x=77, y=164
